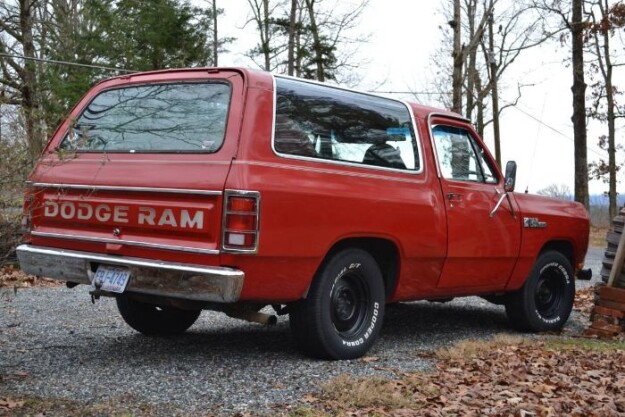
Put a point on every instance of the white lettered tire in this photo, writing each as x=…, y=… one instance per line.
x=342, y=315
x=545, y=301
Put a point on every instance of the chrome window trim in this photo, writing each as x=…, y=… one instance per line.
x=127, y=242
x=430, y=131
x=336, y=161
x=122, y=188
x=240, y=193
x=435, y=152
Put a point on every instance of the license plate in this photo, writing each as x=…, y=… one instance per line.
x=111, y=278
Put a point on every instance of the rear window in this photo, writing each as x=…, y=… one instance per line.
x=318, y=121
x=189, y=117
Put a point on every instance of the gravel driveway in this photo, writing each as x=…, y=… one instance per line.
x=55, y=343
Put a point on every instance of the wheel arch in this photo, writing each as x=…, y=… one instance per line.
x=562, y=246
x=384, y=251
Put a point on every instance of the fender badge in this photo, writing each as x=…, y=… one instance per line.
x=533, y=223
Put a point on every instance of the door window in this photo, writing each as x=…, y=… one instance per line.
x=460, y=157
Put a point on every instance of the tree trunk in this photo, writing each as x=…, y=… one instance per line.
x=29, y=95
x=493, y=90
x=265, y=25
x=611, y=125
x=479, y=122
x=215, y=37
x=298, y=43
x=579, y=105
x=471, y=66
x=458, y=58
x=320, y=73
x=291, y=42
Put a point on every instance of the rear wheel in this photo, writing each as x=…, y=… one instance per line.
x=155, y=320
x=342, y=316
x=545, y=301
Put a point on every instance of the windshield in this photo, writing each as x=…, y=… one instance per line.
x=153, y=118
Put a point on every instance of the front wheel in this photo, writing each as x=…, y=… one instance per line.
x=154, y=320
x=545, y=301
x=342, y=315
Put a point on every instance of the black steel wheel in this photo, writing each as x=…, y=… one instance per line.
x=545, y=301
x=342, y=315
x=349, y=302
x=154, y=320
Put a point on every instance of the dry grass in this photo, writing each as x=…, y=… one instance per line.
x=469, y=349
x=597, y=236
x=348, y=392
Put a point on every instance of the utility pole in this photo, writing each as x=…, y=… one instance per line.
x=493, y=88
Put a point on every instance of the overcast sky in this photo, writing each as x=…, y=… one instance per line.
x=403, y=34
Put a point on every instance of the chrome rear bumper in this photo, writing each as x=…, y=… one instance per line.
x=167, y=279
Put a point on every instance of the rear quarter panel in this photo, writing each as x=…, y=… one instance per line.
x=307, y=206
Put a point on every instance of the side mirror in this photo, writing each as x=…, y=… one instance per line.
x=510, y=178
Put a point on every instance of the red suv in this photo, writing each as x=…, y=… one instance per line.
x=231, y=189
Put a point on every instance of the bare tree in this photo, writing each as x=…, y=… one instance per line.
x=292, y=35
x=510, y=29
x=606, y=19
x=460, y=51
x=306, y=37
x=262, y=12
x=19, y=76
x=560, y=16
x=579, y=103
x=215, y=35
x=560, y=191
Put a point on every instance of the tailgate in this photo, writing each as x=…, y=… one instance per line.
x=120, y=218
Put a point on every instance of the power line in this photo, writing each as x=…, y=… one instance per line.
x=430, y=93
x=564, y=135
x=74, y=64
x=425, y=93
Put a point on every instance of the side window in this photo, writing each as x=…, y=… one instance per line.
x=328, y=123
x=460, y=157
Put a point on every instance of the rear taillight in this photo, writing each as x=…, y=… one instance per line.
x=241, y=221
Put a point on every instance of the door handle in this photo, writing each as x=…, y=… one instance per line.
x=454, y=196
